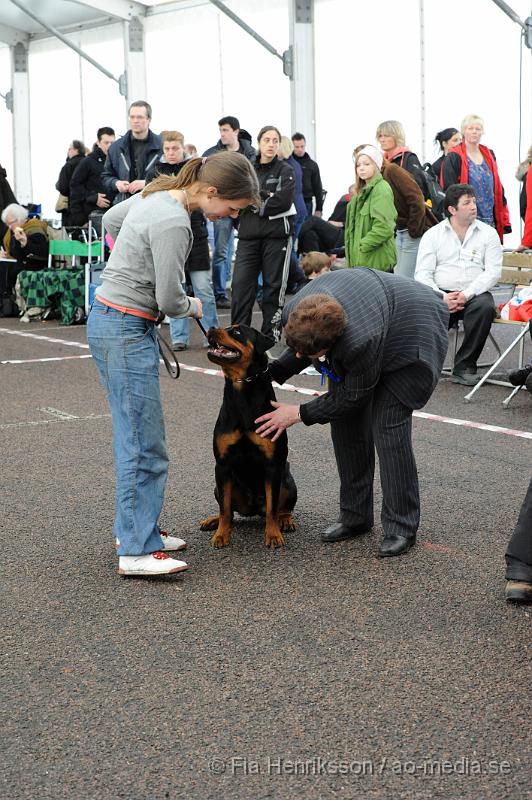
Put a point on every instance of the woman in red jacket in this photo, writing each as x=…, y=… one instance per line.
x=473, y=163
x=524, y=174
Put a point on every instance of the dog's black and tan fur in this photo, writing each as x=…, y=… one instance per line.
x=252, y=473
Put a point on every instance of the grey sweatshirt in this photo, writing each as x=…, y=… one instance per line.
x=146, y=268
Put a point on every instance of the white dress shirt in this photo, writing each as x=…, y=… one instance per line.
x=448, y=265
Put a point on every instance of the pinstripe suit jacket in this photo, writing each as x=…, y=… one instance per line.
x=396, y=336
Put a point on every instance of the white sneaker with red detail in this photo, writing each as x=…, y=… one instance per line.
x=158, y=563
x=170, y=543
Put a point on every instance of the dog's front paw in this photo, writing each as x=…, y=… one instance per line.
x=221, y=538
x=286, y=521
x=210, y=524
x=274, y=538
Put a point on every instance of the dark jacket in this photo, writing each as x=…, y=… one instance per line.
x=63, y=184
x=245, y=148
x=299, y=200
x=67, y=171
x=85, y=186
x=277, y=189
x=396, y=336
x=6, y=193
x=312, y=186
x=409, y=161
x=198, y=258
x=412, y=212
x=34, y=255
x=120, y=166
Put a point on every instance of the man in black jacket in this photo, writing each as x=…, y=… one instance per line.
x=312, y=187
x=86, y=190
x=239, y=141
x=130, y=158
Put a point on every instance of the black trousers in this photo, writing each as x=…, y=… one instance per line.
x=519, y=550
x=272, y=258
x=383, y=424
x=318, y=234
x=477, y=315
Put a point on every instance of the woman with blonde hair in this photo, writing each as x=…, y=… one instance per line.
x=142, y=282
x=392, y=141
x=371, y=215
x=474, y=163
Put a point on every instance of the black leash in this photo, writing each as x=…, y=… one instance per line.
x=168, y=356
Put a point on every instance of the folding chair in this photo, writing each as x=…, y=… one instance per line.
x=73, y=249
x=517, y=273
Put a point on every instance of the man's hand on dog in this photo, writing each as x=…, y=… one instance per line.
x=277, y=421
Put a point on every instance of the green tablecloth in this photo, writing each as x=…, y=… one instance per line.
x=61, y=288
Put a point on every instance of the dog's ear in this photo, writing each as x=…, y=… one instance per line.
x=262, y=343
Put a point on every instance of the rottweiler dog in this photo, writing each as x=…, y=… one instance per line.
x=252, y=473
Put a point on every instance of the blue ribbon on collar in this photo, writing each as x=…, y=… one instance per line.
x=326, y=372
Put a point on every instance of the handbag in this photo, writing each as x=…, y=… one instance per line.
x=61, y=203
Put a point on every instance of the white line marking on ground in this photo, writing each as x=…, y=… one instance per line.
x=287, y=387
x=56, y=412
x=29, y=423
x=39, y=360
x=45, y=338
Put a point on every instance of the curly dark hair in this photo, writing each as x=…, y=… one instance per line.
x=315, y=324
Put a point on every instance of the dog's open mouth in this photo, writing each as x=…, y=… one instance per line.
x=223, y=353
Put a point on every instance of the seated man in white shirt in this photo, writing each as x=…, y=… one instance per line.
x=461, y=259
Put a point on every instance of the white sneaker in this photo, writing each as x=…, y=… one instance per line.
x=157, y=563
x=169, y=542
x=172, y=542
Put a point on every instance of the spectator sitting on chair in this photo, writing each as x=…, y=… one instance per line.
x=26, y=241
x=86, y=190
x=322, y=235
x=130, y=158
x=461, y=258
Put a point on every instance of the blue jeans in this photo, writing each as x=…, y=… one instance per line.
x=406, y=254
x=125, y=350
x=202, y=285
x=223, y=255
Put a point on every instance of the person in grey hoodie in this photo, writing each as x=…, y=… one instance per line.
x=143, y=282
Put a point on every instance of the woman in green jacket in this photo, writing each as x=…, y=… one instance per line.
x=371, y=215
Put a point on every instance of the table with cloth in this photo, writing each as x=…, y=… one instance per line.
x=60, y=288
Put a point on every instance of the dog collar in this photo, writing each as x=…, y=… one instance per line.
x=252, y=377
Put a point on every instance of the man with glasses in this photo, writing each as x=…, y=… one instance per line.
x=130, y=158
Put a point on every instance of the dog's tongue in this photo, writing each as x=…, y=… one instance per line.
x=223, y=352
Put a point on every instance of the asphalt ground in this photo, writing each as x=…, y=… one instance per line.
x=315, y=671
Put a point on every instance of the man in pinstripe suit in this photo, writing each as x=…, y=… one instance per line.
x=384, y=338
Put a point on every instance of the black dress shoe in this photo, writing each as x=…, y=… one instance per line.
x=395, y=545
x=519, y=592
x=337, y=532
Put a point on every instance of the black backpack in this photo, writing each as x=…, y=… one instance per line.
x=433, y=192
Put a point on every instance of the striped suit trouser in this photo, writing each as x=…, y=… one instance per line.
x=383, y=424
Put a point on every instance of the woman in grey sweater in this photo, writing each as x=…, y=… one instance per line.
x=141, y=283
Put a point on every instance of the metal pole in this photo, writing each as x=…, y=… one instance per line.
x=422, y=79
x=63, y=39
x=511, y=13
x=246, y=27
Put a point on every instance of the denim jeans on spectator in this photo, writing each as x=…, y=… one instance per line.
x=202, y=285
x=125, y=351
x=223, y=255
x=406, y=254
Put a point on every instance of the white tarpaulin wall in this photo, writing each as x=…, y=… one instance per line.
x=200, y=65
